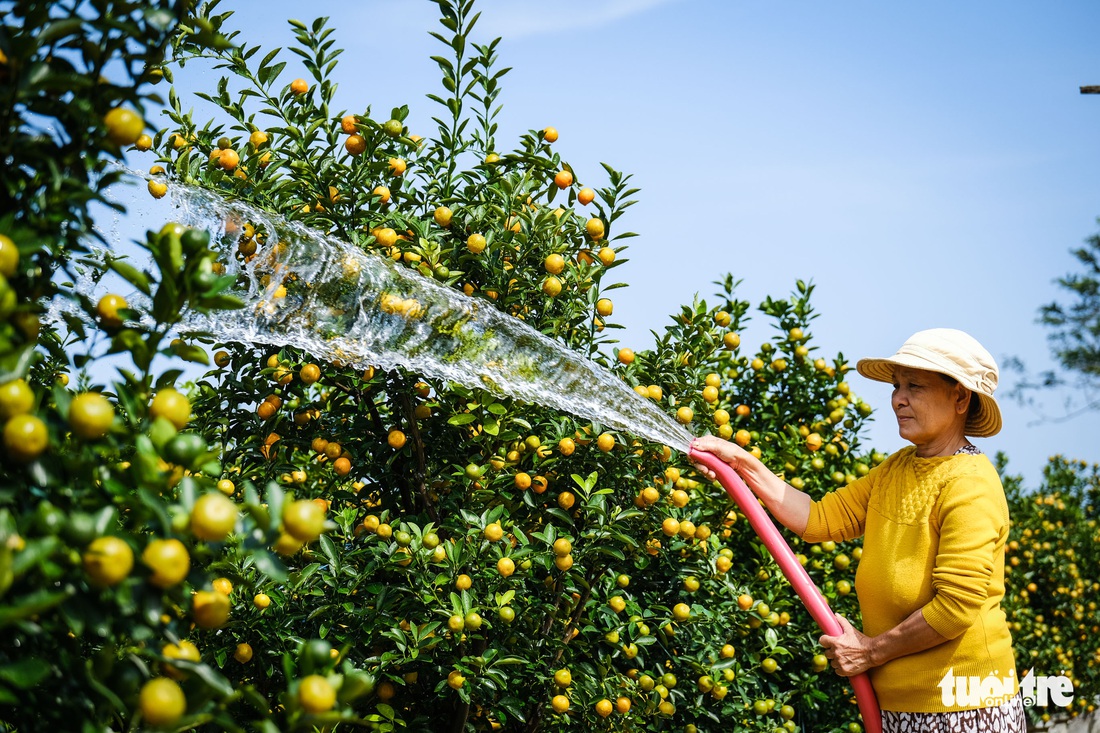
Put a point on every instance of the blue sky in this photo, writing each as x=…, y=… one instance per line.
x=924, y=164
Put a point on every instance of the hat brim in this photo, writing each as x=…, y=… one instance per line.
x=982, y=424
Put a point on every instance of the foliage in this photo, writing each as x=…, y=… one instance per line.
x=1076, y=325
x=53, y=58
x=393, y=553
x=1074, y=337
x=468, y=467
x=1051, y=583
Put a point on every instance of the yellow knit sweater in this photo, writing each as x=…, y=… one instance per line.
x=934, y=538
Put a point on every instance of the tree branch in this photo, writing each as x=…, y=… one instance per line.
x=418, y=448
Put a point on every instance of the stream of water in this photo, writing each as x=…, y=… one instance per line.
x=335, y=301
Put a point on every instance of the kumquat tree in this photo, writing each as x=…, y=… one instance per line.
x=221, y=534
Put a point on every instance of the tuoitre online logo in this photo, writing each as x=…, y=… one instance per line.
x=991, y=690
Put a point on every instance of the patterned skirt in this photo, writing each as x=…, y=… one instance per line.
x=1006, y=718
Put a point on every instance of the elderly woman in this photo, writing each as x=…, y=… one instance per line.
x=934, y=521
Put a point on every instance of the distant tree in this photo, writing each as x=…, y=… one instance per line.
x=1074, y=337
x=1075, y=324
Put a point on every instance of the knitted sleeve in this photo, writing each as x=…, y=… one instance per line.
x=972, y=520
x=840, y=514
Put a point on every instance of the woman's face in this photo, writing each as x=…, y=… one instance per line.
x=927, y=406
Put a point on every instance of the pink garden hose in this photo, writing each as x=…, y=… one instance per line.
x=796, y=574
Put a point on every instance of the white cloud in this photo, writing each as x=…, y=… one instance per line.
x=511, y=20
x=515, y=19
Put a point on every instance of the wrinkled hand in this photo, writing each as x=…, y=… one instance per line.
x=729, y=452
x=850, y=653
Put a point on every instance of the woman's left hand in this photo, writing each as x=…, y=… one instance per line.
x=849, y=653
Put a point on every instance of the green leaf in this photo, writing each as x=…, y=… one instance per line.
x=34, y=553
x=26, y=673
x=220, y=302
x=213, y=679
x=586, y=484
x=272, y=73
x=192, y=353
x=131, y=274
x=59, y=29
x=275, y=498
x=611, y=552
x=168, y=378
x=270, y=57
x=30, y=605
x=107, y=693
x=270, y=565
x=14, y=365
x=771, y=638
x=328, y=547
x=7, y=697
x=297, y=579
x=514, y=707
x=560, y=515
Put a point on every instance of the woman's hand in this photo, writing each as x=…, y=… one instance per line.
x=787, y=504
x=849, y=653
x=729, y=453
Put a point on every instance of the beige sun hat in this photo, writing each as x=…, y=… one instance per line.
x=956, y=354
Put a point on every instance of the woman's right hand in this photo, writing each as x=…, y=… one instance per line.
x=787, y=504
x=728, y=452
